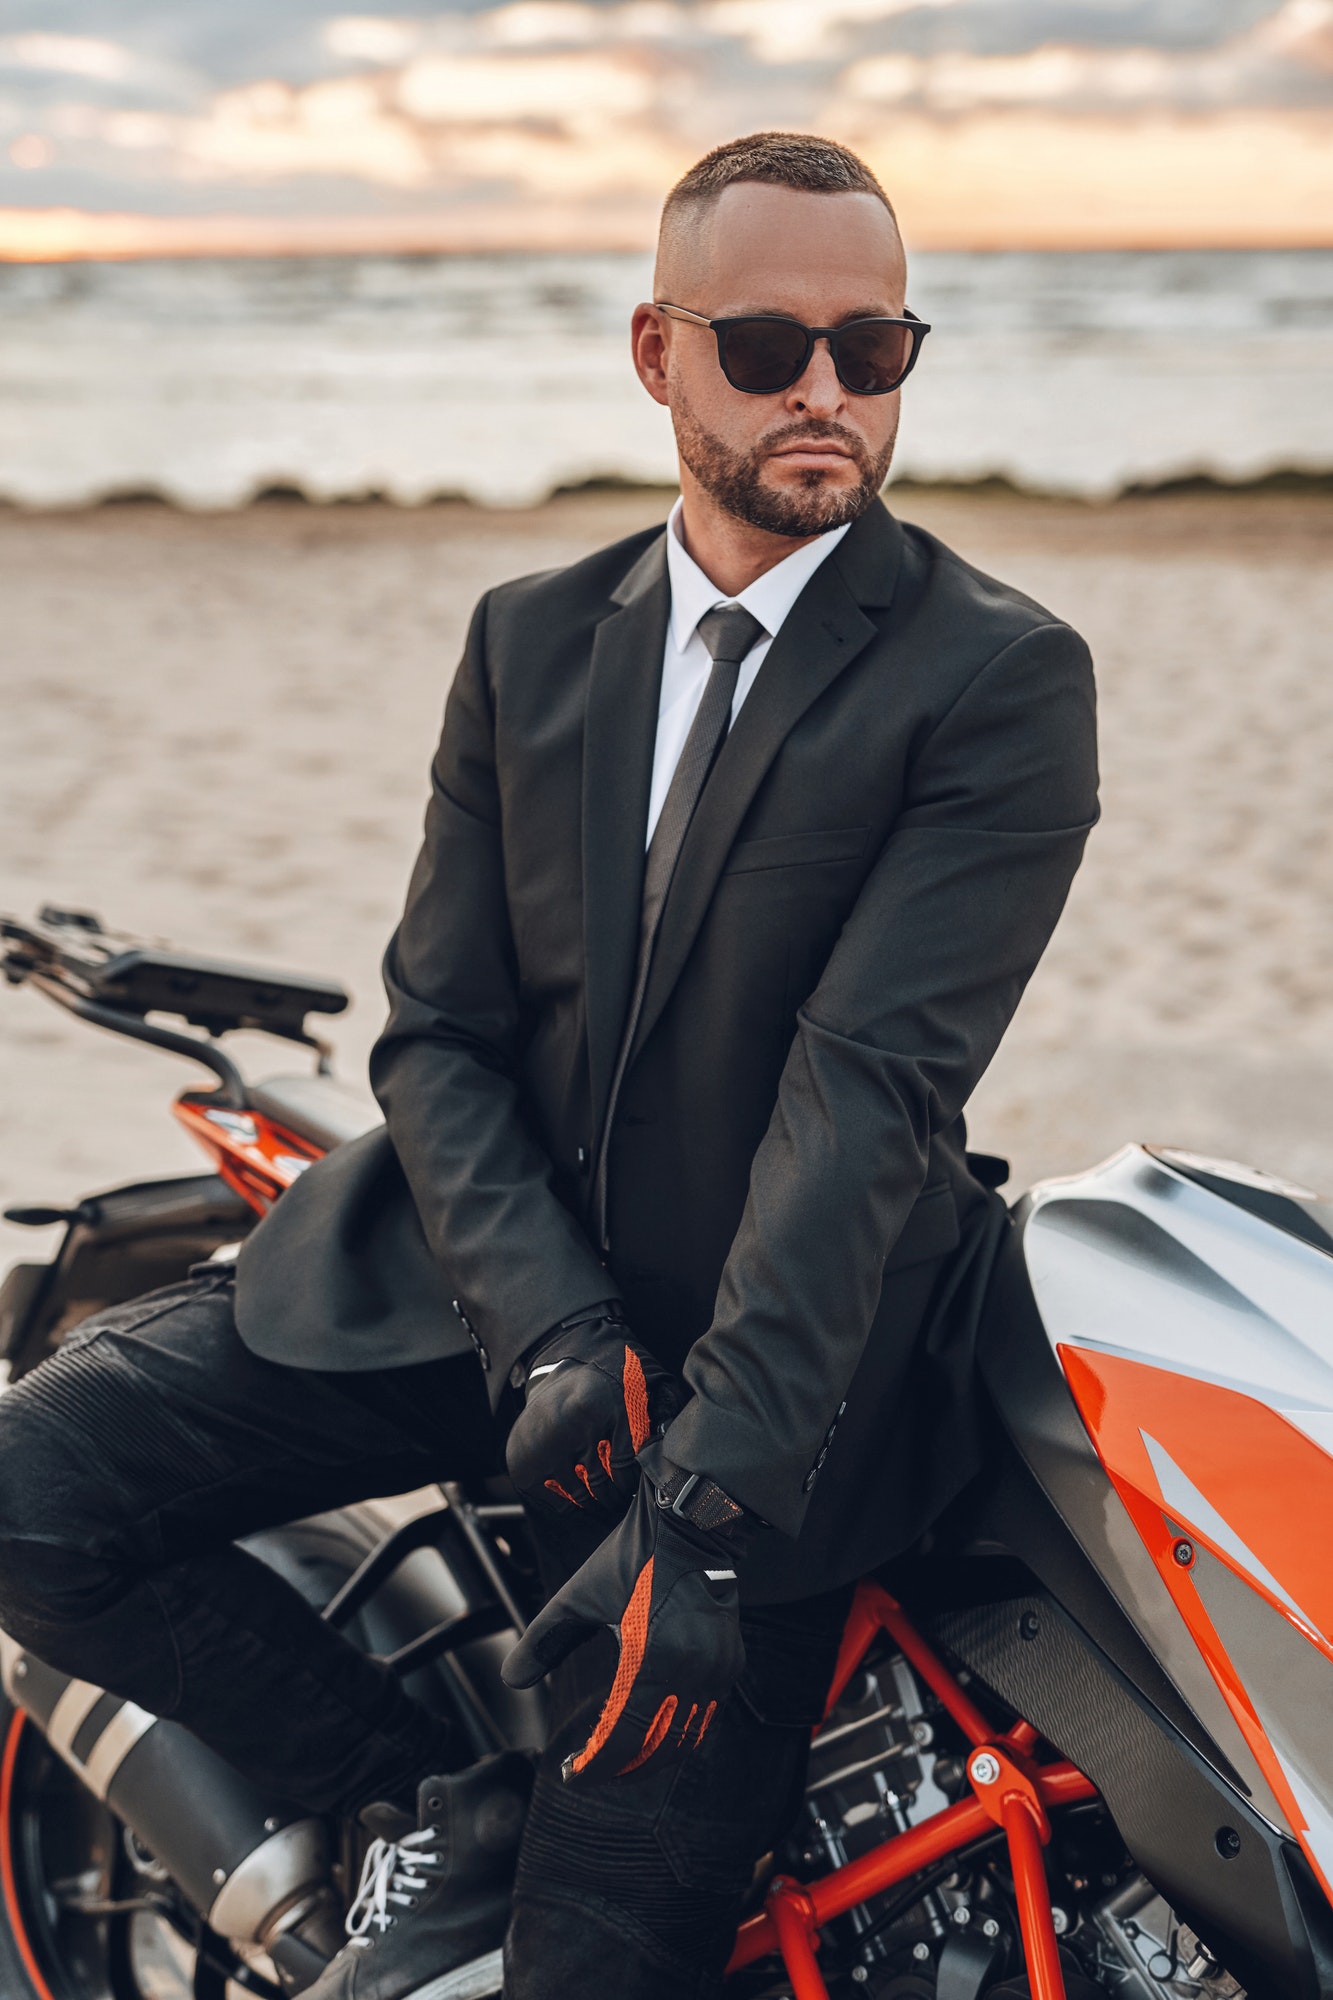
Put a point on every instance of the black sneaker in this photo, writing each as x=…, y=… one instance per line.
x=429, y=1916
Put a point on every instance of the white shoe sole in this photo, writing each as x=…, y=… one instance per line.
x=477, y=1981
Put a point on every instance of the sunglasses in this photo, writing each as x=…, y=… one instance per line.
x=761, y=353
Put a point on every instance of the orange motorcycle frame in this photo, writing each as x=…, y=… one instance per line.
x=1009, y=1790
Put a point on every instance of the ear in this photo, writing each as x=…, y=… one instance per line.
x=650, y=340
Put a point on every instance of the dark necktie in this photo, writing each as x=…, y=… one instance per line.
x=729, y=633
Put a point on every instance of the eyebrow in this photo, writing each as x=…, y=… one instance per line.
x=844, y=319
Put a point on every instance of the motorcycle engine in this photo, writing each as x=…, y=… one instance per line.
x=888, y=1758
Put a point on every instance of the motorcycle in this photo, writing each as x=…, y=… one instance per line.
x=1077, y=1742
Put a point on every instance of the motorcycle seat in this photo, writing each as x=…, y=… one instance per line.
x=316, y=1108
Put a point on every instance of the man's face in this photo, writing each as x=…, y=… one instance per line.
x=812, y=456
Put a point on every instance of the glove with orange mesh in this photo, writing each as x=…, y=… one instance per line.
x=594, y=1398
x=665, y=1580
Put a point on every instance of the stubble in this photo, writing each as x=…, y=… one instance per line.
x=735, y=479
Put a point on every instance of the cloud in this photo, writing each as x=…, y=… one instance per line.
x=45, y=68
x=782, y=31
x=371, y=38
x=1301, y=30
x=492, y=89
x=67, y=55
x=524, y=25
x=958, y=82
x=540, y=102
x=1280, y=59
x=268, y=131
x=530, y=23
x=573, y=120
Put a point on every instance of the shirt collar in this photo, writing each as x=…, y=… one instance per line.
x=769, y=598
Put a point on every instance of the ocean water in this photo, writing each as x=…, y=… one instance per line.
x=501, y=378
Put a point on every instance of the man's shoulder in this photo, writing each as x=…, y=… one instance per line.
x=983, y=613
x=572, y=593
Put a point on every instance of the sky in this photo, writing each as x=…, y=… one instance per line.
x=286, y=125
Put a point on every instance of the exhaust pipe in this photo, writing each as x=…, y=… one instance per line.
x=254, y=1868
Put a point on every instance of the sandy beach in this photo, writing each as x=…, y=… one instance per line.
x=216, y=730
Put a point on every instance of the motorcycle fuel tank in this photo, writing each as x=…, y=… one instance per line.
x=1189, y=1305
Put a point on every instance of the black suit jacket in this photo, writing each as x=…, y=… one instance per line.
x=880, y=855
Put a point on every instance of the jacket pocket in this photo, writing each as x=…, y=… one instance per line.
x=797, y=850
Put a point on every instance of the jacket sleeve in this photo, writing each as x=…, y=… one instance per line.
x=911, y=1006
x=445, y=1067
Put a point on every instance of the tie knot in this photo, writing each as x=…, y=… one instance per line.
x=729, y=632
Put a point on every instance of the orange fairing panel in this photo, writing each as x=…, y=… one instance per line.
x=1214, y=1477
x=1266, y=1480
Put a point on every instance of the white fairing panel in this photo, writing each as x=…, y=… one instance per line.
x=1139, y=1260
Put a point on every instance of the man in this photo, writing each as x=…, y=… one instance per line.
x=744, y=839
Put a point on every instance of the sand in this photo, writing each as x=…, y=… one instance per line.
x=215, y=729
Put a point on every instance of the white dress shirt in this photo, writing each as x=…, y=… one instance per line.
x=686, y=663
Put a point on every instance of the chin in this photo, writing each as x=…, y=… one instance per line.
x=807, y=480
x=811, y=501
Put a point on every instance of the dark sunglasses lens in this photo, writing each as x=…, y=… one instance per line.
x=872, y=355
x=762, y=354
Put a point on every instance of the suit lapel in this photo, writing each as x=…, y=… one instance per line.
x=624, y=688
x=823, y=633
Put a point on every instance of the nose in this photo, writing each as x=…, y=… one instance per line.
x=818, y=392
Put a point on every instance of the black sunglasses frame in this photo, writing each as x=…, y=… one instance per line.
x=918, y=328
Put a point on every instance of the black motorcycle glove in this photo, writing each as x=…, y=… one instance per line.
x=667, y=1585
x=594, y=1400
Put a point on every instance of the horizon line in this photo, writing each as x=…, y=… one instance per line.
x=71, y=236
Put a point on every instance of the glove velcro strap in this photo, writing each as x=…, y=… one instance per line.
x=693, y=1497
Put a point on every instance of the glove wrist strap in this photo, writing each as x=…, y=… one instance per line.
x=696, y=1499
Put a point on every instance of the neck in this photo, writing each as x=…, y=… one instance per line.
x=730, y=552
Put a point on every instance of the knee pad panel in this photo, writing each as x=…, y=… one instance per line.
x=87, y=1449
x=584, y=1849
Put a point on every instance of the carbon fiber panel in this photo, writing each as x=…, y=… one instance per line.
x=1167, y=1803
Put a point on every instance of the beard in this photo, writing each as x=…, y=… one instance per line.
x=735, y=479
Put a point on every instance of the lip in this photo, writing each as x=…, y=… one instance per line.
x=817, y=452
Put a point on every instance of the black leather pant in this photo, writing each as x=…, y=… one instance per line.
x=131, y=1462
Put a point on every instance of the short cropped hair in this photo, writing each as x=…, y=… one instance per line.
x=797, y=160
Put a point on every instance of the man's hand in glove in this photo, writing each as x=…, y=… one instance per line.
x=667, y=1582
x=594, y=1399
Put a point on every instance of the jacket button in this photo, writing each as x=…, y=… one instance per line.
x=463, y=1318
x=482, y=1355
x=810, y=1479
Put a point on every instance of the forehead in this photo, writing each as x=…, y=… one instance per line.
x=817, y=256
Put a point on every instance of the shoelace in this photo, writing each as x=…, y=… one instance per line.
x=389, y=1875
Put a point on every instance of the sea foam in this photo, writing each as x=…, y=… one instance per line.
x=501, y=378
